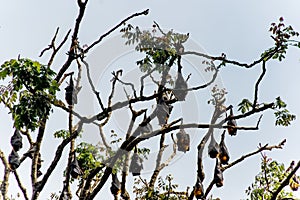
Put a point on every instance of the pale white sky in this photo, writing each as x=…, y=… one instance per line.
x=237, y=28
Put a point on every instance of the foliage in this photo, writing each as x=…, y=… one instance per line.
x=34, y=93
x=33, y=90
x=158, y=46
x=245, y=106
x=164, y=190
x=282, y=36
x=283, y=116
x=62, y=134
x=268, y=180
x=89, y=156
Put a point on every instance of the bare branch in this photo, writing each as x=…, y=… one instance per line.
x=124, y=83
x=4, y=184
x=58, y=48
x=36, y=154
x=92, y=85
x=166, y=163
x=23, y=189
x=257, y=84
x=223, y=58
x=263, y=148
x=143, y=77
x=66, y=183
x=74, y=43
x=52, y=46
x=158, y=161
x=145, y=12
x=103, y=136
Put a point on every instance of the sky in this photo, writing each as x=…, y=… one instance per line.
x=237, y=28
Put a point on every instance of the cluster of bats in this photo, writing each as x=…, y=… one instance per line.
x=163, y=110
x=14, y=158
x=219, y=152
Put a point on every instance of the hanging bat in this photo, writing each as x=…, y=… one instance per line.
x=14, y=160
x=163, y=110
x=180, y=88
x=231, y=122
x=294, y=183
x=218, y=175
x=183, y=141
x=115, y=187
x=75, y=169
x=145, y=127
x=224, y=154
x=213, y=147
x=16, y=140
x=198, y=190
x=71, y=94
x=136, y=165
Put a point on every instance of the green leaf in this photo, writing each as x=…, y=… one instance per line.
x=245, y=106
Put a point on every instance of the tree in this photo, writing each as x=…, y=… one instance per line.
x=35, y=89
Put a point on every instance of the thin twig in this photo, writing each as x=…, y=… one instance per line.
x=23, y=189
x=223, y=58
x=258, y=82
x=116, y=77
x=92, y=84
x=51, y=45
x=142, y=79
x=145, y=12
x=263, y=148
x=74, y=42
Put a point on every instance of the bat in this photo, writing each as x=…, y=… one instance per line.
x=231, y=122
x=145, y=127
x=180, y=88
x=14, y=160
x=183, y=141
x=115, y=187
x=294, y=183
x=16, y=140
x=75, y=170
x=224, y=154
x=71, y=94
x=218, y=175
x=198, y=190
x=163, y=110
x=213, y=147
x=136, y=165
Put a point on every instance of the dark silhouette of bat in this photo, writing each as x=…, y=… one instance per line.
x=136, y=165
x=224, y=154
x=14, y=160
x=183, y=141
x=16, y=140
x=213, y=147
x=231, y=122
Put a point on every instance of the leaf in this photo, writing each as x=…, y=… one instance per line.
x=245, y=106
